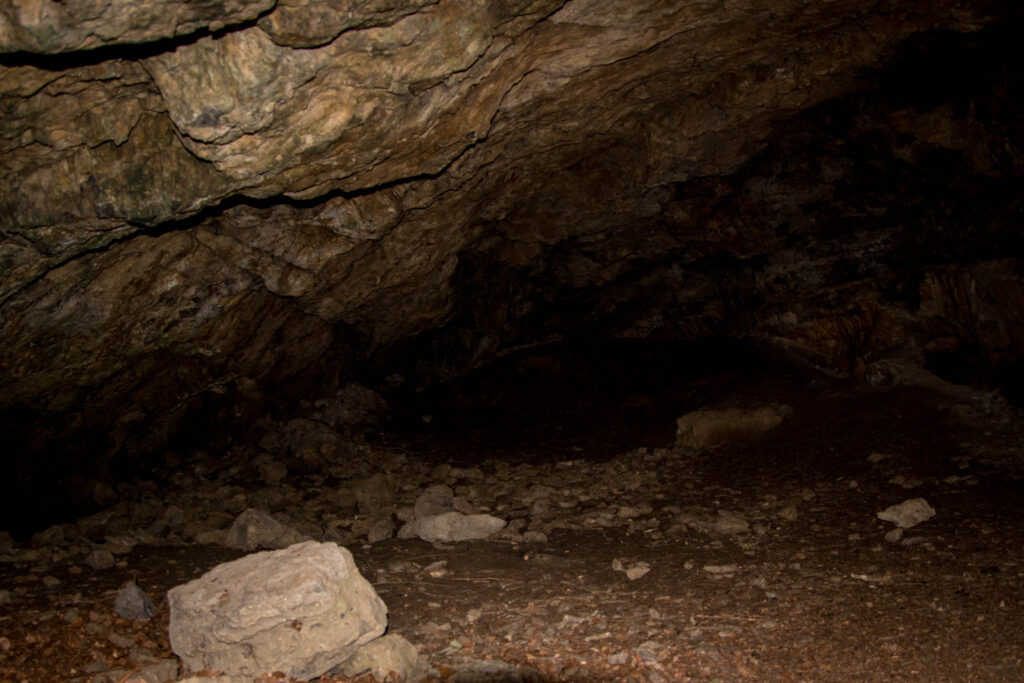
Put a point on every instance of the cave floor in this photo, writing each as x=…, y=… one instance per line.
x=757, y=559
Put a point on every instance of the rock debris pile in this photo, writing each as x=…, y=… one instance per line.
x=638, y=562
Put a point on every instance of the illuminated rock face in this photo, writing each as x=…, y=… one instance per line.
x=231, y=205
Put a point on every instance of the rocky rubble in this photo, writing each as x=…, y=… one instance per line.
x=251, y=499
x=769, y=539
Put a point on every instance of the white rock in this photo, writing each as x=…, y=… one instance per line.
x=302, y=610
x=637, y=570
x=632, y=570
x=703, y=428
x=452, y=526
x=908, y=514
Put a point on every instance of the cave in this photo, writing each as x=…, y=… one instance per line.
x=690, y=295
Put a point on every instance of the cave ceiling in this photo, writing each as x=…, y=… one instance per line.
x=215, y=203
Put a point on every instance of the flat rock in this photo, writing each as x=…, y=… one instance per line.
x=908, y=514
x=390, y=653
x=302, y=610
x=703, y=428
x=452, y=526
x=254, y=529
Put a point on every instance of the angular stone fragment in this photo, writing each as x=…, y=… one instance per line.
x=390, y=653
x=730, y=522
x=632, y=570
x=302, y=610
x=379, y=529
x=452, y=526
x=133, y=603
x=254, y=529
x=908, y=514
x=436, y=500
x=374, y=494
x=100, y=558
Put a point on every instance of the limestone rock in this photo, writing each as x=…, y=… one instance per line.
x=196, y=226
x=703, y=428
x=730, y=522
x=390, y=653
x=908, y=514
x=380, y=529
x=436, y=500
x=452, y=526
x=302, y=610
x=375, y=494
x=45, y=26
x=254, y=529
x=100, y=558
x=311, y=23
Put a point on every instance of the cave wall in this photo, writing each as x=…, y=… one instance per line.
x=211, y=217
x=880, y=225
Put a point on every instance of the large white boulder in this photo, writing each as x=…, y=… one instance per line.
x=301, y=610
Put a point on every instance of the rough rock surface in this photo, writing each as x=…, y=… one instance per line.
x=302, y=610
x=133, y=603
x=251, y=199
x=390, y=654
x=45, y=26
x=254, y=529
x=657, y=562
x=908, y=514
x=452, y=526
x=706, y=427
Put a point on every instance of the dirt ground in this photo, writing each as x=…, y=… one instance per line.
x=805, y=586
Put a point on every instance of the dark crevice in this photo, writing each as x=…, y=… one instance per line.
x=131, y=52
x=219, y=209
x=228, y=203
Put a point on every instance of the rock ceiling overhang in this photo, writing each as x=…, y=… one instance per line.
x=200, y=194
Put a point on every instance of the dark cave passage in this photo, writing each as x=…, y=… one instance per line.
x=584, y=399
